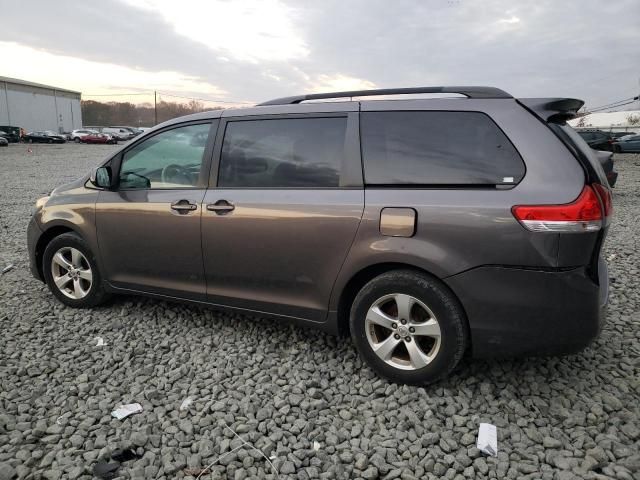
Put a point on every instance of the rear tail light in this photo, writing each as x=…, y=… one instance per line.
x=605, y=197
x=587, y=213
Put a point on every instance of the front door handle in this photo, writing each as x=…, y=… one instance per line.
x=183, y=206
x=221, y=207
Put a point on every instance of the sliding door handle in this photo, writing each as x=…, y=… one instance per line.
x=221, y=207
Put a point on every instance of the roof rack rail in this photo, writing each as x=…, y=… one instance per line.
x=471, y=92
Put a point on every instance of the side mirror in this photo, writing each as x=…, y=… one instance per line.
x=101, y=177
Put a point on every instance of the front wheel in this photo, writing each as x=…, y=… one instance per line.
x=77, y=139
x=408, y=327
x=71, y=272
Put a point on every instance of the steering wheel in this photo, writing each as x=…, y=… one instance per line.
x=175, y=174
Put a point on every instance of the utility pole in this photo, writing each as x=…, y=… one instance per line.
x=155, y=107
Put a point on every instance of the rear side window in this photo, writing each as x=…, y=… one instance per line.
x=437, y=148
x=283, y=153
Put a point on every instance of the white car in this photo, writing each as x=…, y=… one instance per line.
x=77, y=135
x=118, y=133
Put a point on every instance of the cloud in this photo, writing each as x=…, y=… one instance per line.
x=252, y=30
x=510, y=21
x=338, y=83
x=258, y=50
x=97, y=78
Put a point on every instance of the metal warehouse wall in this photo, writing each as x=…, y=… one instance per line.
x=38, y=108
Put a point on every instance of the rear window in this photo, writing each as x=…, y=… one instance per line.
x=437, y=148
x=576, y=143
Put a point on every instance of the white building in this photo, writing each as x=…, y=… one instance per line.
x=34, y=107
x=617, y=121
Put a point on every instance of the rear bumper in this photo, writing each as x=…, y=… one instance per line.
x=517, y=311
x=33, y=235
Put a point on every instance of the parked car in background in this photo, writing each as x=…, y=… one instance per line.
x=12, y=134
x=135, y=131
x=607, y=163
x=119, y=133
x=627, y=144
x=423, y=227
x=77, y=135
x=597, y=139
x=97, y=137
x=4, y=142
x=44, y=137
x=617, y=135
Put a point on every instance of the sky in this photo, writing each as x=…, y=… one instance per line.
x=251, y=51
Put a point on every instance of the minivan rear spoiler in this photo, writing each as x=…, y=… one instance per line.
x=554, y=110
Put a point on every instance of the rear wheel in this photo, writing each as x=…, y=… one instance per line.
x=408, y=327
x=617, y=149
x=71, y=272
x=77, y=139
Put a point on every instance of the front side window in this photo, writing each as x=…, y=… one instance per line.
x=437, y=148
x=171, y=159
x=283, y=153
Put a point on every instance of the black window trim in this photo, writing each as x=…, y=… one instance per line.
x=350, y=175
x=442, y=186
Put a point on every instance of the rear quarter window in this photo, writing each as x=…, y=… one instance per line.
x=437, y=148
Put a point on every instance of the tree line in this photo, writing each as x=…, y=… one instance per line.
x=136, y=115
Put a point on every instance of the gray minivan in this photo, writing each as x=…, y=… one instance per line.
x=423, y=227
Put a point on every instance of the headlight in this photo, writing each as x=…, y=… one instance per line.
x=39, y=204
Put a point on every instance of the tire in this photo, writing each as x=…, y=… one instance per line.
x=77, y=139
x=94, y=293
x=442, y=352
x=31, y=140
x=617, y=149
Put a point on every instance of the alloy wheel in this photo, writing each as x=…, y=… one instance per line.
x=403, y=331
x=71, y=273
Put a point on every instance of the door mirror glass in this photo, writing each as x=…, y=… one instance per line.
x=102, y=177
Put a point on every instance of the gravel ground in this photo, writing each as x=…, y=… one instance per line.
x=302, y=397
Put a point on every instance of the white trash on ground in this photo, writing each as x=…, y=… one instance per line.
x=123, y=411
x=488, y=439
x=7, y=269
x=186, y=403
x=100, y=342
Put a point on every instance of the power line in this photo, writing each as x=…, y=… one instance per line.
x=205, y=99
x=115, y=94
x=235, y=102
x=612, y=104
x=619, y=103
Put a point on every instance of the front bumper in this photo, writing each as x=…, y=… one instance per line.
x=520, y=311
x=33, y=235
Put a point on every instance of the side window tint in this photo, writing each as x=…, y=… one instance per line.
x=294, y=153
x=171, y=159
x=437, y=148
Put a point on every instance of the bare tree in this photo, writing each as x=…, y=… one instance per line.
x=633, y=119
